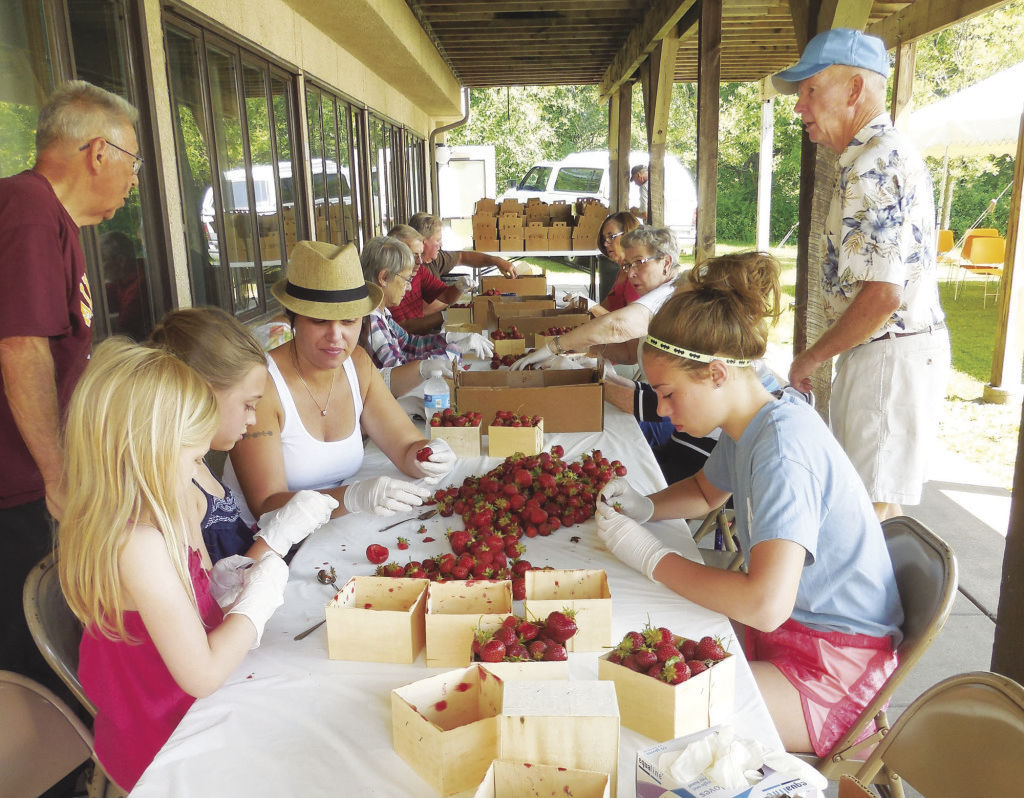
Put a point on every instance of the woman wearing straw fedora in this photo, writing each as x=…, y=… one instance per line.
x=323, y=395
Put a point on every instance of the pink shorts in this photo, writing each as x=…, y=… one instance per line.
x=836, y=674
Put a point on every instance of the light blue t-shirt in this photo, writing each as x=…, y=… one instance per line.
x=790, y=480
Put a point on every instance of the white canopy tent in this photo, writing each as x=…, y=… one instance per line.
x=983, y=119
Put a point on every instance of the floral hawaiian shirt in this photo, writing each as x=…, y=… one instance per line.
x=881, y=228
x=390, y=345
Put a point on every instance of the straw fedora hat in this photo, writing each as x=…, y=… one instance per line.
x=325, y=281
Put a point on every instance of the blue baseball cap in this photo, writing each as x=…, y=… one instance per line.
x=838, y=46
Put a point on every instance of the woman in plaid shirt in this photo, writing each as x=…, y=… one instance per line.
x=405, y=360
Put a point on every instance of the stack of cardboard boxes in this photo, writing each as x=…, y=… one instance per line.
x=537, y=226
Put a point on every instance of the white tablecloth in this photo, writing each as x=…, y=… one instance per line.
x=290, y=721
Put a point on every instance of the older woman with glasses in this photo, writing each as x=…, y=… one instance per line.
x=405, y=360
x=650, y=265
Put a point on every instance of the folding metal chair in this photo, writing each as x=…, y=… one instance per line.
x=926, y=575
x=986, y=257
x=963, y=736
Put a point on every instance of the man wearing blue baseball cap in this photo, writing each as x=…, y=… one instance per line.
x=881, y=298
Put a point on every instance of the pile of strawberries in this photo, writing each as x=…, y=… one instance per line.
x=491, y=292
x=507, y=418
x=522, y=640
x=511, y=334
x=506, y=360
x=557, y=330
x=665, y=656
x=462, y=304
x=447, y=418
x=524, y=495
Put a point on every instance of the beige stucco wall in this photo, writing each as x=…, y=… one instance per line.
x=372, y=50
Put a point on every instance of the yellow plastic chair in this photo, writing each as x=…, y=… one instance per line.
x=926, y=575
x=964, y=736
x=984, y=257
x=944, y=244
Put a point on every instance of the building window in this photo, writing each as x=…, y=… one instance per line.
x=334, y=166
x=234, y=119
x=415, y=185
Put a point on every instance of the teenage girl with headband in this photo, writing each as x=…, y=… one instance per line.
x=133, y=565
x=819, y=601
x=223, y=352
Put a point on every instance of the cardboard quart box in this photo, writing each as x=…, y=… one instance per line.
x=571, y=724
x=585, y=592
x=512, y=243
x=519, y=286
x=561, y=211
x=506, y=441
x=509, y=346
x=377, y=619
x=511, y=206
x=559, y=237
x=459, y=315
x=653, y=782
x=570, y=400
x=485, y=205
x=454, y=611
x=664, y=711
x=506, y=779
x=446, y=727
x=487, y=244
x=465, y=441
x=538, y=212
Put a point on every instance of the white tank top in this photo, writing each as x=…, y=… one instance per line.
x=309, y=463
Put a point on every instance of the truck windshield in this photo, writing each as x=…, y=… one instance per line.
x=579, y=180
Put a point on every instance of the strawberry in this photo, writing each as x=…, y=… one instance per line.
x=403, y=544
x=376, y=553
x=644, y=658
x=424, y=454
x=459, y=540
x=561, y=626
x=696, y=666
x=527, y=631
x=555, y=652
x=517, y=652
x=519, y=588
x=688, y=648
x=506, y=635
x=537, y=649
x=709, y=648
x=666, y=651
x=492, y=651
x=632, y=640
x=674, y=671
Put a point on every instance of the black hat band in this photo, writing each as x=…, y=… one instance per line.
x=318, y=295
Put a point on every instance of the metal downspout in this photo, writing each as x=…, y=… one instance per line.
x=432, y=144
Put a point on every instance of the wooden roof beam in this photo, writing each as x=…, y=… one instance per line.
x=660, y=21
x=927, y=16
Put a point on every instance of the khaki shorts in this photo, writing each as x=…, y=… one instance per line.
x=884, y=411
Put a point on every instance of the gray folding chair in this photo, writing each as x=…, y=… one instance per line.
x=926, y=575
x=963, y=736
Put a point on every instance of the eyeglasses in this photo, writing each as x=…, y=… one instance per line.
x=607, y=238
x=407, y=279
x=635, y=265
x=136, y=164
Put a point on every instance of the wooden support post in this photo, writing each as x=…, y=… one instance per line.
x=661, y=67
x=709, y=75
x=613, y=151
x=903, y=80
x=623, y=132
x=764, y=168
x=1009, y=350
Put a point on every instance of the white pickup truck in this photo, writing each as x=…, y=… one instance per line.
x=585, y=174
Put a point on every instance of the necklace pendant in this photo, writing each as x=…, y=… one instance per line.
x=323, y=412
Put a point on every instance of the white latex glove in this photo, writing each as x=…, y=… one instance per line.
x=463, y=283
x=633, y=503
x=288, y=525
x=441, y=461
x=629, y=541
x=383, y=496
x=534, y=358
x=473, y=342
x=262, y=592
x=227, y=577
x=434, y=363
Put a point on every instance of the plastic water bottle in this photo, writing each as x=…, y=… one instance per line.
x=436, y=396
